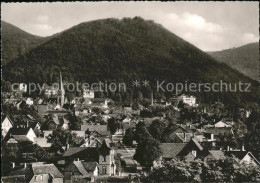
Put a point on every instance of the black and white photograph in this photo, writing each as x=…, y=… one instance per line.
x=130, y=92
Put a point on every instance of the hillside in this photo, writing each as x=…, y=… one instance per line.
x=122, y=51
x=245, y=59
x=16, y=42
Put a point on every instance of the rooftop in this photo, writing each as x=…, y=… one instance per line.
x=170, y=150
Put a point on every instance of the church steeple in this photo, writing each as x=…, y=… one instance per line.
x=62, y=91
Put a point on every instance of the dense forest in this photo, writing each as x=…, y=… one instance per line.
x=16, y=42
x=245, y=59
x=124, y=50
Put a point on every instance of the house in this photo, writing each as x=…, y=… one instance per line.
x=100, y=102
x=42, y=142
x=94, y=138
x=171, y=134
x=182, y=137
x=107, y=164
x=7, y=124
x=103, y=155
x=169, y=152
x=189, y=100
x=25, y=132
x=192, y=150
x=81, y=169
x=80, y=153
x=22, y=144
x=56, y=121
x=221, y=124
x=79, y=133
x=36, y=128
x=127, y=109
x=22, y=87
x=29, y=101
x=46, y=173
x=13, y=179
x=91, y=128
x=127, y=119
x=219, y=130
x=214, y=155
x=92, y=141
x=38, y=173
x=243, y=156
x=161, y=103
x=206, y=139
x=88, y=93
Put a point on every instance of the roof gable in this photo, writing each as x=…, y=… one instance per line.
x=47, y=169
x=170, y=150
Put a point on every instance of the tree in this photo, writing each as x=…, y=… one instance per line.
x=227, y=140
x=112, y=125
x=157, y=129
x=227, y=170
x=146, y=102
x=141, y=133
x=9, y=155
x=139, y=96
x=128, y=137
x=75, y=122
x=60, y=139
x=135, y=106
x=147, y=151
x=118, y=164
x=97, y=110
x=70, y=96
x=118, y=97
x=40, y=154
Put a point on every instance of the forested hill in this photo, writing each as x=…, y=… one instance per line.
x=120, y=50
x=16, y=42
x=245, y=59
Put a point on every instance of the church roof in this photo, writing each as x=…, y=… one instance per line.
x=104, y=148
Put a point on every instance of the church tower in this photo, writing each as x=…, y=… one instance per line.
x=106, y=162
x=62, y=92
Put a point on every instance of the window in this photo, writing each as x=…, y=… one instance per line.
x=104, y=170
x=104, y=158
x=41, y=177
x=210, y=159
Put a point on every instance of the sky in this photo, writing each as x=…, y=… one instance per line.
x=211, y=26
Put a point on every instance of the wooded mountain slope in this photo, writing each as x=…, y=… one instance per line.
x=245, y=59
x=123, y=51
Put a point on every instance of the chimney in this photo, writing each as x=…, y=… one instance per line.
x=212, y=136
x=185, y=138
x=68, y=146
x=194, y=152
x=13, y=164
x=27, y=123
x=228, y=148
x=25, y=165
x=243, y=148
